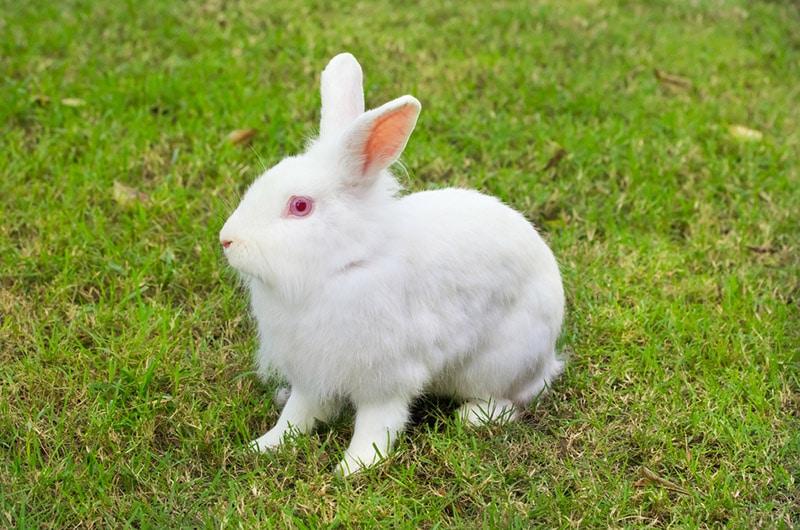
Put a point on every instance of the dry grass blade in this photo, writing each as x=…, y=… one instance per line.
x=652, y=478
x=672, y=80
x=73, y=102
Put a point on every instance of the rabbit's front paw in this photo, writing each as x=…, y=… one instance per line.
x=269, y=441
x=483, y=411
x=352, y=464
x=347, y=467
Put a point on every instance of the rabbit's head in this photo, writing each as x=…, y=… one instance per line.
x=329, y=209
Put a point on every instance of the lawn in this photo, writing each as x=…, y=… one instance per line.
x=655, y=144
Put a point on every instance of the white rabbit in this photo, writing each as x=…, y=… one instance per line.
x=367, y=297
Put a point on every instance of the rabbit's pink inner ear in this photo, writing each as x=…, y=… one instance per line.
x=388, y=138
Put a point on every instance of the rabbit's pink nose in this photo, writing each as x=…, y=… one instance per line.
x=226, y=243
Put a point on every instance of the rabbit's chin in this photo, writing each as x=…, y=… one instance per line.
x=270, y=274
x=285, y=286
x=251, y=277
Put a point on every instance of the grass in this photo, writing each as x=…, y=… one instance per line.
x=126, y=387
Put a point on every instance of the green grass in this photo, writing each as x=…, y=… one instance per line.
x=126, y=387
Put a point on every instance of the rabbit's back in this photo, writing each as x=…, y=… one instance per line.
x=487, y=291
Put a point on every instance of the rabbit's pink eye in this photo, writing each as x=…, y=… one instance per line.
x=300, y=206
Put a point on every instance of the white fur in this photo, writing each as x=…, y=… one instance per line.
x=376, y=299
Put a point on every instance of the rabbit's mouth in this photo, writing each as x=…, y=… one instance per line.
x=249, y=262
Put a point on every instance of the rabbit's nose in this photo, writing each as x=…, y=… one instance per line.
x=226, y=243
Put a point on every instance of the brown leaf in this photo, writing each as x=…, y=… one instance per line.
x=125, y=195
x=241, y=136
x=762, y=249
x=659, y=481
x=672, y=80
x=557, y=157
x=73, y=102
x=41, y=100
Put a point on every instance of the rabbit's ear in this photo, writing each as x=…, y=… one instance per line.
x=377, y=139
x=342, y=94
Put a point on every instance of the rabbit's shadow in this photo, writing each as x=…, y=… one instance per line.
x=432, y=412
x=427, y=412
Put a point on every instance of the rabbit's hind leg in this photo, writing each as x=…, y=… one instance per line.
x=486, y=410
